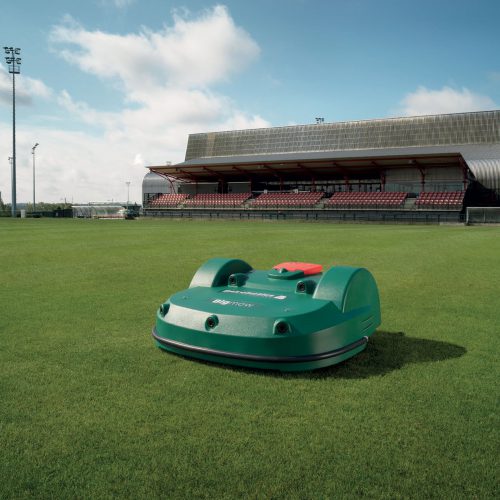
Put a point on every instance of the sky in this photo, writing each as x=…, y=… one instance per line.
x=109, y=87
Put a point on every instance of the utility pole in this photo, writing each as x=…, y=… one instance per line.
x=14, y=63
x=128, y=192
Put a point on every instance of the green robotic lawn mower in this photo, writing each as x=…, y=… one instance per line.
x=292, y=317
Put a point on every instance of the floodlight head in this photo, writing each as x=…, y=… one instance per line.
x=12, y=61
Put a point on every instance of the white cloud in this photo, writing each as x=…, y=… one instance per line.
x=447, y=100
x=75, y=165
x=138, y=160
x=85, y=113
x=165, y=79
x=26, y=89
x=165, y=76
x=191, y=53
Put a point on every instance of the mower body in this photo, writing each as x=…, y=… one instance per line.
x=292, y=317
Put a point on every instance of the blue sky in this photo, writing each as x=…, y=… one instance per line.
x=109, y=86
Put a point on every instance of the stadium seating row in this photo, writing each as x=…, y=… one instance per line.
x=443, y=199
x=217, y=200
x=427, y=200
x=168, y=200
x=366, y=200
x=291, y=200
x=265, y=200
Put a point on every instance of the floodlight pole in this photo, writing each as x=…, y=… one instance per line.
x=33, y=153
x=128, y=192
x=10, y=163
x=14, y=64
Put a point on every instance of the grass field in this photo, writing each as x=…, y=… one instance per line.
x=90, y=408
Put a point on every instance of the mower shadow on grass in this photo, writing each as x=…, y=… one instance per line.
x=388, y=351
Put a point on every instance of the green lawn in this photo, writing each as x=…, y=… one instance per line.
x=90, y=408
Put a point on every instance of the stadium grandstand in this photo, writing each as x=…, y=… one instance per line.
x=423, y=168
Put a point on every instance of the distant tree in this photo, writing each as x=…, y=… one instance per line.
x=48, y=207
x=4, y=209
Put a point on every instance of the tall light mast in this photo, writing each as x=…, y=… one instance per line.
x=14, y=62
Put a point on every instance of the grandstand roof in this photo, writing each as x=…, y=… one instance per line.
x=345, y=148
